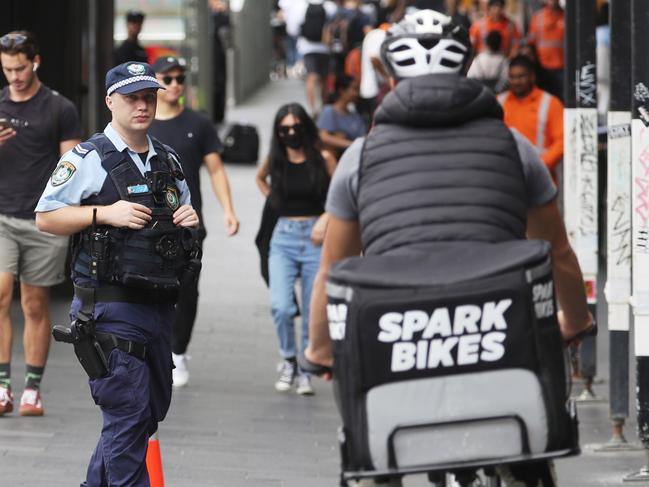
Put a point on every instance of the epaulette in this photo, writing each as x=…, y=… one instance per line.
x=83, y=149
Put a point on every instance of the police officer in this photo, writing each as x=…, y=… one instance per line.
x=438, y=152
x=124, y=196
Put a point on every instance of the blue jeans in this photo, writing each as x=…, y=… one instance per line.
x=290, y=45
x=292, y=255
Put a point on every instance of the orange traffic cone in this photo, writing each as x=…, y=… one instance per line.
x=154, y=462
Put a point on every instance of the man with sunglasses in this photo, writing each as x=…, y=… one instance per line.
x=37, y=125
x=124, y=196
x=193, y=136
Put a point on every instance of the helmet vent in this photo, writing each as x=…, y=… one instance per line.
x=447, y=63
x=428, y=42
x=406, y=62
x=399, y=48
x=456, y=49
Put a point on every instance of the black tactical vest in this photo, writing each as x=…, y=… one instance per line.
x=439, y=166
x=151, y=258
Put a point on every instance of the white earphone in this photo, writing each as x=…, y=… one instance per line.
x=35, y=67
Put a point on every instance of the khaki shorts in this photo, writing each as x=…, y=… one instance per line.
x=36, y=258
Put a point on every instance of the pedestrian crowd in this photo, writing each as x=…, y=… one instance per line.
x=335, y=46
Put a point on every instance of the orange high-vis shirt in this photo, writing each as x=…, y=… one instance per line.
x=507, y=29
x=547, y=33
x=539, y=118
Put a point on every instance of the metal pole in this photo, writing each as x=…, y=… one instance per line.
x=581, y=203
x=618, y=286
x=569, y=180
x=569, y=91
x=640, y=218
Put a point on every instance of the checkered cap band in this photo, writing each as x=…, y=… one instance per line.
x=129, y=81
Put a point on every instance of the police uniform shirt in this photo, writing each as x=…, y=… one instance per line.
x=80, y=175
x=342, y=198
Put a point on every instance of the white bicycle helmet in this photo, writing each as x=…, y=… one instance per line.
x=426, y=42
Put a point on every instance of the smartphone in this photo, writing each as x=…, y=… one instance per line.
x=5, y=123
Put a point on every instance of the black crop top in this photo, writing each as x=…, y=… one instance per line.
x=300, y=195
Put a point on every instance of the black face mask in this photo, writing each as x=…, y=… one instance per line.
x=294, y=141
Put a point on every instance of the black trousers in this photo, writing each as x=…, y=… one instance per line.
x=183, y=324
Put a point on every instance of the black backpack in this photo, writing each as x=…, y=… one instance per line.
x=241, y=144
x=355, y=33
x=314, y=22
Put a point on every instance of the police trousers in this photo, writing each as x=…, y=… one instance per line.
x=134, y=396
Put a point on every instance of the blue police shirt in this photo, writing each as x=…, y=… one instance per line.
x=80, y=175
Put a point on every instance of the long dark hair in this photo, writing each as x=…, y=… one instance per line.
x=278, y=158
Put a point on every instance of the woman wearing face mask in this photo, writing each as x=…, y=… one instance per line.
x=299, y=178
x=339, y=123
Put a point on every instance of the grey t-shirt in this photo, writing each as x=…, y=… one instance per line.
x=342, y=199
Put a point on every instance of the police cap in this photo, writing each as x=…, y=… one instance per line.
x=130, y=77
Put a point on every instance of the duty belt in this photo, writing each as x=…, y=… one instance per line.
x=121, y=294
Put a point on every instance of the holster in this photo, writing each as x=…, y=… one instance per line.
x=90, y=354
x=81, y=334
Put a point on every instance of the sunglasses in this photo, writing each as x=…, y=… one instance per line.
x=9, y=41
x=284, y=130
x=180, y=79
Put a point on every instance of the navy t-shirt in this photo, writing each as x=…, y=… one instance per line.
x=28, y=159
x=193, y=136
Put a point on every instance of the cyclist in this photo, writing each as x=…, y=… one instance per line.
x=440, y=166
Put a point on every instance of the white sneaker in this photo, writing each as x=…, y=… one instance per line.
x=30, y=403
x=180, y=375
x=6, y=400
x=304, y=387
x=286, y=376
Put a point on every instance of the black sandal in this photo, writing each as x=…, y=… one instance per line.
x=311, y=367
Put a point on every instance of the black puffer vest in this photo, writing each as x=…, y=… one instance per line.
x=439, y=166
x=151, y=258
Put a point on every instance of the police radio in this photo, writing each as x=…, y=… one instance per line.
x=98, y=243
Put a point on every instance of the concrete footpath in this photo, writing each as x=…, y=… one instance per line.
x=229, y=427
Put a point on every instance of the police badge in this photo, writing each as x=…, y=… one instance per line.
x=171, y=196
x=136, y=69
x=62, y=173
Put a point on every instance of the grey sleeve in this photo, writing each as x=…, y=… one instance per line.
x=538, y=183
x=342, y=198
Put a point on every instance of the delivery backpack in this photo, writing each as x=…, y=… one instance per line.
x=240, y=143
x=449, y=360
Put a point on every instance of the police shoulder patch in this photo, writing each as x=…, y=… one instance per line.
x=63, y=173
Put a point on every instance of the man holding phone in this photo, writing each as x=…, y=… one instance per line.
x=37, y=125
